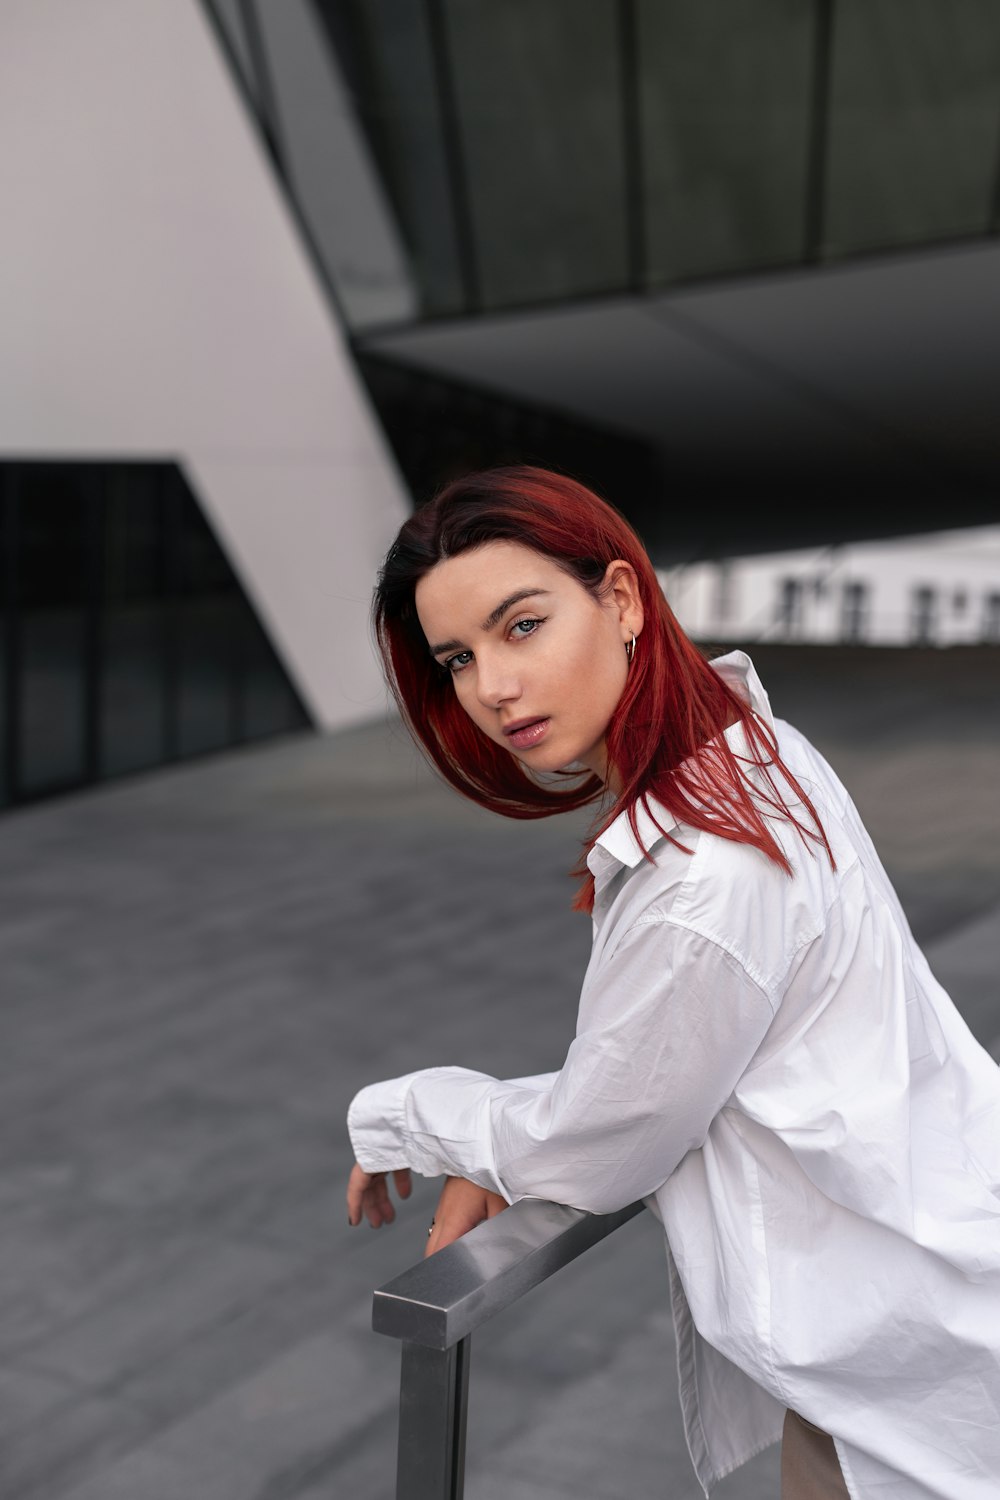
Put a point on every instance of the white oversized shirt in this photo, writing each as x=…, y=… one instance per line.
x=769, y=1063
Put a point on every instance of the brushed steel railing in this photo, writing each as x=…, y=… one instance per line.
x=434, y=1308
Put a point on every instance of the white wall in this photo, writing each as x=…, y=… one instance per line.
x=155, y=302
x=962, y=568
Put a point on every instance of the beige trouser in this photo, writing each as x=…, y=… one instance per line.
x=810, y=1469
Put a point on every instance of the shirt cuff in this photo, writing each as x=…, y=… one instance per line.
x=375, y=1125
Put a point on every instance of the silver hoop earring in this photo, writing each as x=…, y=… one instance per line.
x=630, y=648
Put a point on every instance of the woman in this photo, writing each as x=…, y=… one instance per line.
x=762, y=1053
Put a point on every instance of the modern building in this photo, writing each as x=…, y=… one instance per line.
x=274, y=269
x=937, y=590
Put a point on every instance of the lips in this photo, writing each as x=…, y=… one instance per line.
x=525, y=733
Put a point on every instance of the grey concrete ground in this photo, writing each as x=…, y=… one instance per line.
x=201, y=966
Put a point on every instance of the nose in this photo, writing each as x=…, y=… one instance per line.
x=496, y=684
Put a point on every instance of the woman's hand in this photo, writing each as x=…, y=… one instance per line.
x=368, y=1195
x=461, y=1206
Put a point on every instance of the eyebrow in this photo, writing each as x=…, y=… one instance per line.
x=493, y=618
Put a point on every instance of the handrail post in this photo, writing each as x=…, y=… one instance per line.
x=434, y=1308
x=433, y=1405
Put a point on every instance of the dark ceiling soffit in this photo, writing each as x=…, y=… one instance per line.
x=716, y=281
x=910, y=457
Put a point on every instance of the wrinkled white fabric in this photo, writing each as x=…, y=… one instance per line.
x=769, y=1063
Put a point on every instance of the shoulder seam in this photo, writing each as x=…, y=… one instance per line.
x=670, y=921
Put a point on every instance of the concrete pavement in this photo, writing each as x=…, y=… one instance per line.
x=202, y=965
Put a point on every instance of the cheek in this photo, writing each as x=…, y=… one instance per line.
x=600, y=676
x=613, y=686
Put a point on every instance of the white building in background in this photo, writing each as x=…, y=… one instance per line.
x=940, y=589
x=158, y=301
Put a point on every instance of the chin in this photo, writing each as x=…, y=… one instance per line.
x=541, y=759
x=551, y=763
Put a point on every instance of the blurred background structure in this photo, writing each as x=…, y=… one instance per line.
x=273, y=270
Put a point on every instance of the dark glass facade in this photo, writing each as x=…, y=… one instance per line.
x=540, y=155
x=126, y=640
x=439, y=429
x=539, y=151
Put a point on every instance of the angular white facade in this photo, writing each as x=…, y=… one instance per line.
x=157, y=302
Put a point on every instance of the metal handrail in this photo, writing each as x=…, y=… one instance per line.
x=433, y=1309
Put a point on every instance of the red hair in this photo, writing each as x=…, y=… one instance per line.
x=664, y=738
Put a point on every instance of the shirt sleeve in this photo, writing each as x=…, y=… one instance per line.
x=662, y=1042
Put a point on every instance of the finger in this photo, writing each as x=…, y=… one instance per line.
x=404, y=1186
x=371, y=1212
x=358, y=1181
x=373, y=1205
x=381, y=1201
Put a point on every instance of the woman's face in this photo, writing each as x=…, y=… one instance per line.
x=538, y=662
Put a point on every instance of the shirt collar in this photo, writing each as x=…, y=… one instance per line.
x=618, y=841
x=739, y=673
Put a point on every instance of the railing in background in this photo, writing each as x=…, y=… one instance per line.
x=435, y=1306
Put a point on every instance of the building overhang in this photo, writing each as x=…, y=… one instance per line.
x=832, y=403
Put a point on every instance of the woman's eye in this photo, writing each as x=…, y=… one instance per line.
x=520, y=630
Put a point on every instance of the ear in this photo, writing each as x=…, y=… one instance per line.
x=620, y=589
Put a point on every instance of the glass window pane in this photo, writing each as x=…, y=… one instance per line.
x=133, y=709
x=133, y=533
x=725, y=100
x=913, y=124
x=385, y=49
x=269, y=704
x=130, y=639
x=205, y=616
x=330, y=169
x=52, y=526
x=200, y=566
x=855, y=607
x=204, y=702
x=132, y=694
x=923, y=614
x=540, y=120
